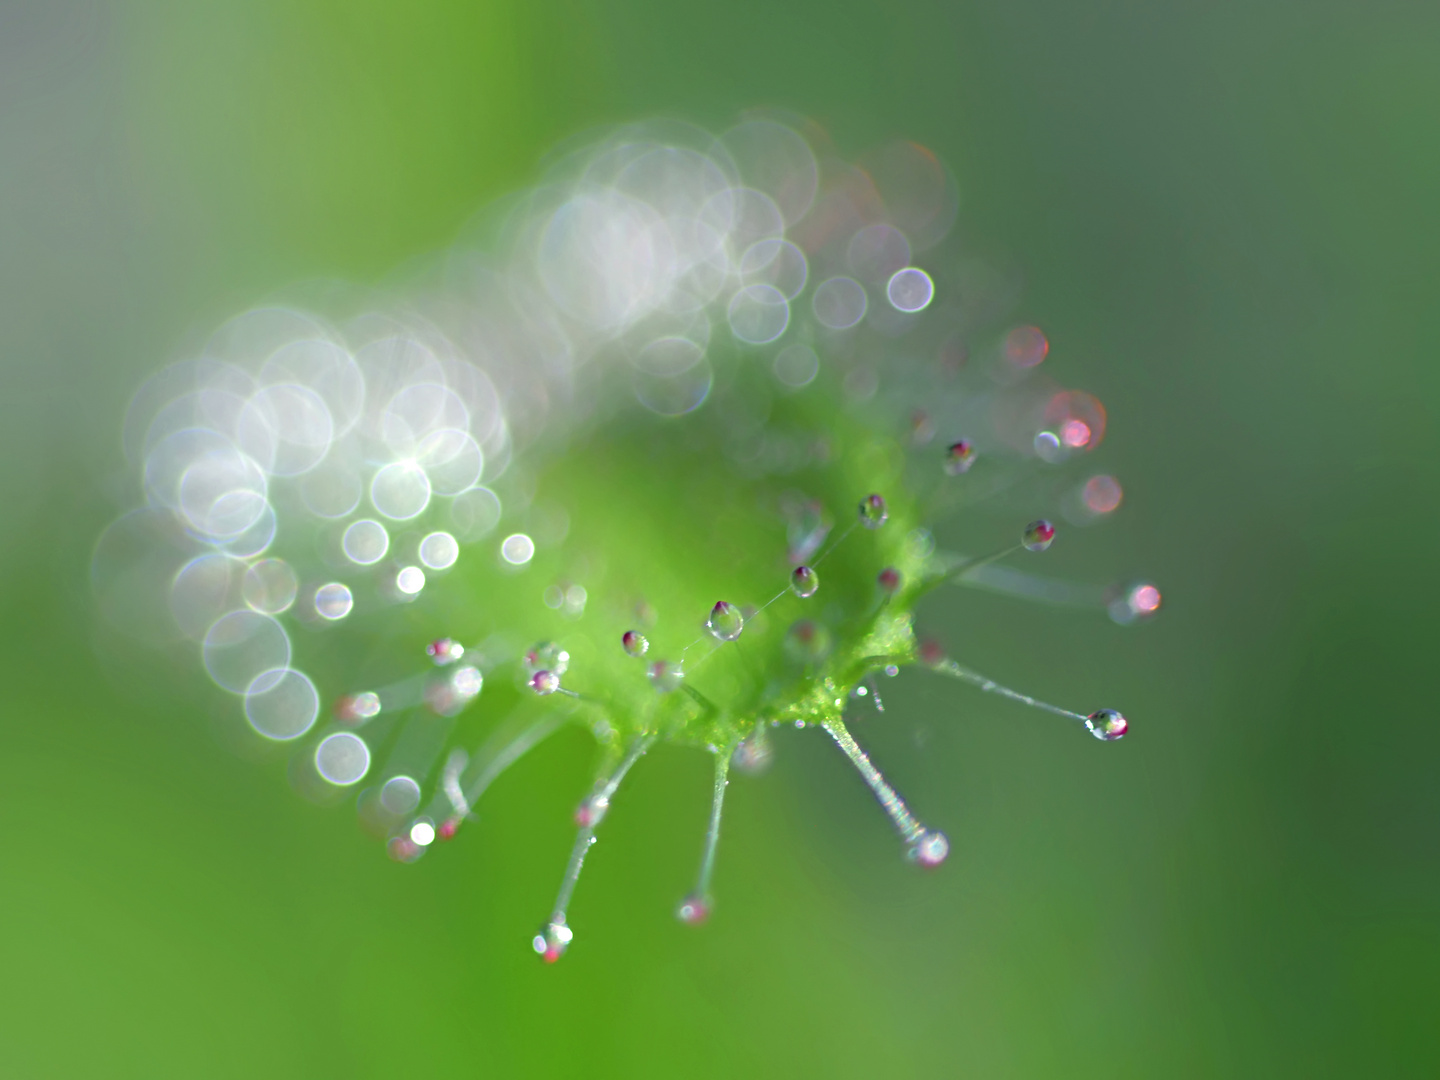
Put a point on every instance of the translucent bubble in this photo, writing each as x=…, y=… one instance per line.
x=444, y=651
x=222, y=494
x=400, y=794
x=365, y=542
x=400, y=490
x=1107, y=725
x=754, y=754
x=873, y=511
x=270, y=586
x=422, y=832
x=775, y=262
x=342, y=759
x=1025, y=346
x=333, y=601
x=517, y=549
x=547, y=656
x=475, y=513
x=674, y=395
x=726, y=622
x=202, y=591
x=807, y=642
x=544, y=682
x=1049, y=449
x=439, y=550
x=282, y=704
x=930, y=849
x=804, y=582
x=635, y=643
x=1102, y=494
x=910, y=290
x=776, y=160
x=665, y=676
x=758, y=314
x=1038, y=535
x=452, y=460
x=667, y=357
x=467, y=681
x=242, y=647
x=357, y=708
x=287, y=428
x=959, y=457
x=796, y=365
x=839, y=303
x=410, y=580
x=693, y=910
x=877, y=252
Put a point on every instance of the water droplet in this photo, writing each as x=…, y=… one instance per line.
x=366, y=542
x=400, y=794
x=930, y=849
x=449, y=694
x=807, y=641
x=517, y=549
x=635, y=643
x=403, y=849
x=873, y=512
x=959, y=456
x=269, y=586
x=1038, y=535
x=422, y=832
x=355, y=708
x=725, y=622
x=892, y=670
x=693, y=910
x=333, y=601
x=665, y=676
x=444, y=651
x=439, y=551
x=552, y=941
x=889, y=580
x=544, y=682
x=753, y=754
x=547, y=656
x=342, y=759
x=804, y=582
x=910, y=290
x=448, y=828
x=1107, y=725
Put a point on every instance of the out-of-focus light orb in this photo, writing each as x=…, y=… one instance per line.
x=1145, y=599
x=365, y=542
x=1075, y=434
x=439, y=550
x=400, y=491
x=422, y=833
x=839, y=303
x=342, y=759
x=270, y=586
x=334, y=601
x=517, y=549
x=910, y=290
x=410, y=580
x=1026, y=346
x=244, y=646
x=1102, y=494
x=796, y=366
x=282, y=705
x=758, y=314
x=400, y=794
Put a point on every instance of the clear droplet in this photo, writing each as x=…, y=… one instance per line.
x=1107, y=725
x=1038, y=535
x=544, y=682
x=725, y=622
x=693, y=910
x=333, y=601
x=889, y=580
x=400, y=794
x=804, y=582
x=873, y=512
x=959, y=456
x=342, y=759
x=665, y=676
x=910, y=290
x=930, y=849
x=807, y=642
x=444, y=651
x=635, y=643
x=357, y=708
x=269, y=586
x=366, y=542
x=439, y=551
x=547, y=656
x=552, y=941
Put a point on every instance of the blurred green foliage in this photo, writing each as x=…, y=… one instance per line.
x=1226, y=214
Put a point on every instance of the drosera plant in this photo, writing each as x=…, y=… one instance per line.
x=658, y=456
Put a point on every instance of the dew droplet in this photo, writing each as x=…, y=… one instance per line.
x=959, y=456
x=444, y=651
x=1025, y=346
x=547, y=656
x=1038, y=535
x=873, y=512
x=448, y=828
x=804, y=582
x=807, y=641
x=910, y=290
x=930, y=849
x=889, y=580
x=726, y=622
x=1107, y=725
x=753, y=754
x=355, y=708
x=635, y=643
x=591, y=810
x=552, y=941
x=665, y=676
x=693, y=910
x=333, y=601
x=544, y=682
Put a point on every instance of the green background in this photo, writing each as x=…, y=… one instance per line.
x=1228, y=218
